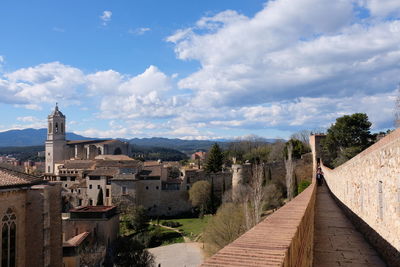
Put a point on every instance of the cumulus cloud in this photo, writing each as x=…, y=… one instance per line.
x=42, y=83
x=106, y=17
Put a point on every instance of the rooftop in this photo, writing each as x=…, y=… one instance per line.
x=11, y=178
x=76, y=240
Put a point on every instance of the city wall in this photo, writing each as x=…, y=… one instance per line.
x=285, y=238
x=368, y=189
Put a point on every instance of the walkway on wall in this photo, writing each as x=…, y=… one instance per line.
x=336, y=241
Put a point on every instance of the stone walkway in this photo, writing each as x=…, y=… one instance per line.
x=336, y=241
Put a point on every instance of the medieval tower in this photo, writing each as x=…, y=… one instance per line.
x=55, y=143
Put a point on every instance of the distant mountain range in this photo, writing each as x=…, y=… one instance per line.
x=37, y=137
x=30, y=137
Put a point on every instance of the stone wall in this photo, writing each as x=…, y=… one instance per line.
x=16, y=200
x=285, y=238
x=368, y=185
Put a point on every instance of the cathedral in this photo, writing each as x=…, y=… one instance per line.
x=58, y=149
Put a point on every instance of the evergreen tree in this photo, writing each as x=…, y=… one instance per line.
x=214, y=160
x=100, y=201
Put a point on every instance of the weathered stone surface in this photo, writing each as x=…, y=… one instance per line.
x=336, y=241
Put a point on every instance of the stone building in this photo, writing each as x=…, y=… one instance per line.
x=89, y=232
x=30, y=213
x=59, y=149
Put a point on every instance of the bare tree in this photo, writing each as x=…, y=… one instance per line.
x=303, y=136
x=289, y=165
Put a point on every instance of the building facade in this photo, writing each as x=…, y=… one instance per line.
x=30, y=214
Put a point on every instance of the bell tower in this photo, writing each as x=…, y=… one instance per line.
x=55, y=143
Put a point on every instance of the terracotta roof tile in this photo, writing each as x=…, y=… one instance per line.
x=13, y=178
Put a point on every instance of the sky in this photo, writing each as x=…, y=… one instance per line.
x=199, y=69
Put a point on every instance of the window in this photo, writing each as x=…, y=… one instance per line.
x=8, y=239
x=90, y=202
x=72, y=190
x=66, y=185
x=98, y=186
x=72, y=179
x=124, y=190
x=50, y=127
x=147, y=188
x=90, y=186
x=107, y=192
x=79, y=202
x=56, y=129
x=157, y=187
x=79, y=191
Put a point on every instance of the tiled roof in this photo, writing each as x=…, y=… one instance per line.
x=82, y=142
x=104, y=172
x=93, y=209
x=76, y=240
x=113, y=157
x=79, y=164
x=118, y=163
x=10, y=178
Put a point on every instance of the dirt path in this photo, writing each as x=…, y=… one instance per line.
x=178, y=255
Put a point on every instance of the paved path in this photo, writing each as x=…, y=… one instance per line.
x=178, y=255
x=336, y=241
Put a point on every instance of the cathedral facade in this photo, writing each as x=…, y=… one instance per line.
x=58, y=149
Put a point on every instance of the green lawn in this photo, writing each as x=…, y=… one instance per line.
x=191, y=227
x=166, y=236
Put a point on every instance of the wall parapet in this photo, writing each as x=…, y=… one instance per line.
x=368, y=186
x=284, y=238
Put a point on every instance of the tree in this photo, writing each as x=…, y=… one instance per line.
x=200, y=196
x=137, y=218
x=346, y=138
x=100, y=201
x=215, y=159
x=298, y=148
x=223, y=228
x=131, y=253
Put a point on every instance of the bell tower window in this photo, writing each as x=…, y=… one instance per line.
x=62, y=128
x=56, y=128
x=50, y=127
x=8, y=239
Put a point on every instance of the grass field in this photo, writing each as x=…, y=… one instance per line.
x=191, y=227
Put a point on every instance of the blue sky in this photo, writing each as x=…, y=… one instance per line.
x=198, y=69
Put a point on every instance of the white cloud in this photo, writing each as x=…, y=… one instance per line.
x=289, y=49
x=1, y=59
x=382, y=7
x=139, y=31
x=42, y=83
x=106, y=17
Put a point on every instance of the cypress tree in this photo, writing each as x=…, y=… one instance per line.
x=100, y=201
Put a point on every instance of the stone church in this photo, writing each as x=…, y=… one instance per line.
x=59, y=149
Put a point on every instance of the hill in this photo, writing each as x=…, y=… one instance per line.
x=30, y=137
x=186, y=146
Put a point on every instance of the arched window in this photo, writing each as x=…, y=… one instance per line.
x=50, y=127
x=98, y=151
x=56, y=128
x=8, y=239
x=62, y=128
